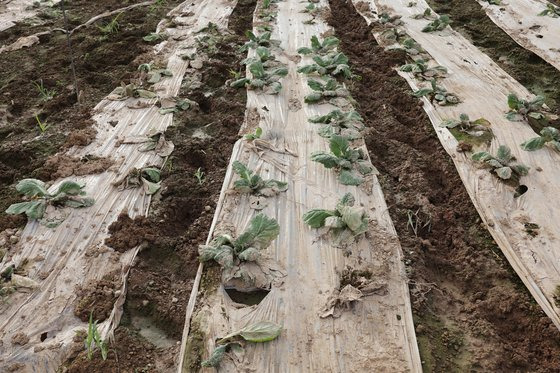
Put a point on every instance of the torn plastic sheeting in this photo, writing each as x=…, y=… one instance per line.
x=483, y=88
x=520, y=20
x=372, y=333
x=74, y=254
x=13, y=11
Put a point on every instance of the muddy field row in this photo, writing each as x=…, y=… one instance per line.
x=472, y=313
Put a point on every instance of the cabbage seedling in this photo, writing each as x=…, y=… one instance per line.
x=351, y=162
x=336, y=122
x=68, y=194
x=254, y=184
x=551, y=10
x=227, y=251
x=263, y=331
x=411, y=47
x=476, y=130
x=333, y=64
x=548, y=135
x=437, y=93
x=345, y=222
x=437, y=24
x=130, y=91
x=255, y=41
x=199, y=174
x=94, y=340
x=419, y=68
x=320, y=47
x=255, y=135
x=262, y=79
x=494, y=2
x=324, y=90
x=263, y=55
x=426, y=14
x=386, y=19
x=524, y=109
x=502, y=165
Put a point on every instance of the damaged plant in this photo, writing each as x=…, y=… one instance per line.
x=348, y=124
x=130, y=91
x=419, y=68
x=524, y=109
x=502, y=165
x=153, y=75
x=325, y=90
x=551, y=11
x=426, y=14
x=548, y=135
x=331, y=64
x=437, y=24
x=94, y=340
x=351, y=163
x=263, y=55
x=68, y=194
x=345, y=222
x=227, y=251
x=262, y=40
x=320, y=47
x=149, y=178
x=476, y=129
x=265, y=79
x=438, y=94
x=263, y=331
x=253, y=184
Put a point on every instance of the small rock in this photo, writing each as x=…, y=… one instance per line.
x=20, y=339
x=207, y=208
x=150, y=283
x=14, y=239
x=174, y=300
x=145, y=303
x=196, y=64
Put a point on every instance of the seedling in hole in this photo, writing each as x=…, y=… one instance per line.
x=154, y=75
x=478, y=129
x=393, y=34
x=111, y=27
x=437, y=93
x=421, y=70
x=94, y=340
x=437, y=24
x=344, y=223
x=44, y=93
x=427, y=14
x=227, y=251
x=336, y=122
x=332, y=64
x=310, y=8
x=502, y=165
x=68, y=194
x=267, y=80
x=263, y=331
x=387, y=19
x=267, y=16
x=410, y=46
x=548, y=135
x=350, y=162
x=324, y=90
x=551, y=10
x=320, y=47
x=416, y=222
x=254, y=184
x=255, y=135
x=43, y=126
x=131, y=90
x=199, y=174
x=523, y=109
x=262, y=55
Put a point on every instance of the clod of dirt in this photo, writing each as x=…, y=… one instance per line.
x=127, y=233
x=96, y=298
x=20, y=339
x=60, y=166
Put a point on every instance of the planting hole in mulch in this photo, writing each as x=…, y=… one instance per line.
x=471, y=311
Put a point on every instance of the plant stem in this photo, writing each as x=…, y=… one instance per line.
x=69, y=42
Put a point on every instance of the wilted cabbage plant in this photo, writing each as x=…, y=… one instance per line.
x=68, y=194
x=437, y=24
x=437, y=93
x=267, y=80
x=548, y=135
x=331, y=64
x=336, y=122
x=478, y=129
x=351, y=162
x=148, y=178
x=524, y=109
x=324, y=90
x=263, y=331
x=502, y=165
x=551, y=10
x=227, y=251
x=419, y=68
x=345, y=222
x=254, y=184
x=320, y=47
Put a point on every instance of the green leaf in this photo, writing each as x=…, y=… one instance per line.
x=513, y=101
x=350, y=177
x=150, y=187
x=78, y=202
x=550, y=133
x=520, y=169
x=153, y=174
x=338, y=145
x=533, y=144
x=304, y=50
x=503, y=172
x=423, y=92
x=313, y=97
x=257, y=69
x=216, y=357
x=316, y=218
x=481, y=156
x=326, y=159
x=315, y=44
x=504, y=153
x=70, y=188
x=535, y=115
x=307, y=69
x=249, y=255
x=33, y=209
x=347, y=200
x=315, y=85
x=239, y=83
x=262, y=231
x=277, y=186
x=32, y=188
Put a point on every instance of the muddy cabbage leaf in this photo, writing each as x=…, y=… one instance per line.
x=350, y=177
x=261, y=232
x=548, y=135
x=154, y=36
x=254, y=184
x=33, y=209
x=216, y=357
x=262, y=331
x=32, y=188
x=316, y=218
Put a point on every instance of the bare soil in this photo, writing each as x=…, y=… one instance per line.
x=471, y=311
x=161, y=279
x=102, y=62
